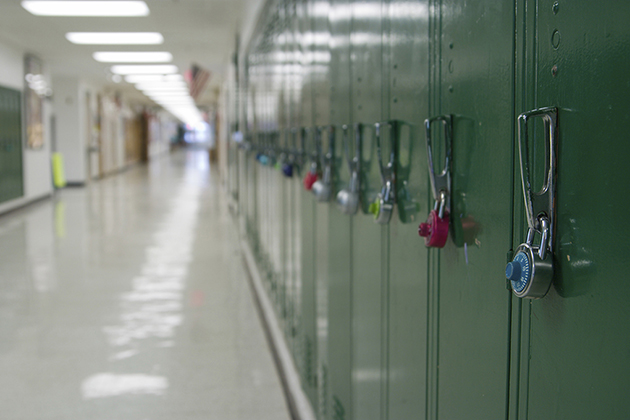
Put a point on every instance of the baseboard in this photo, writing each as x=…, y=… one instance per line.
x=21, y=203
x=297, y=401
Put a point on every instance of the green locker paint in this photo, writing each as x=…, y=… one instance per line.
x=407, y=101
x=309, y=357
x=382, y=327
x=320, y=79
x=339, y=260
x=473, y=307
x=574, y=360
x=367, y=236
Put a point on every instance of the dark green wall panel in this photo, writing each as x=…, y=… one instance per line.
x=11, y=176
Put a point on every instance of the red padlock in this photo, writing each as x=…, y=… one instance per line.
x=309, y=180
x=435, y=230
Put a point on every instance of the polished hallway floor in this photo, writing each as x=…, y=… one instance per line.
x=128, y=300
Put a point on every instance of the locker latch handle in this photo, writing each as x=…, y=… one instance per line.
x=531, y=269
x=348, y=199
x=435, y=229
x=383, y=206
x=322, y=188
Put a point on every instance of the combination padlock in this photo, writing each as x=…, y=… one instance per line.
x=435, y=229
x=531, y=270
x=287, y=170
x=311, y=177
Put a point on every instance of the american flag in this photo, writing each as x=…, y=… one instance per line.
x=197, y=78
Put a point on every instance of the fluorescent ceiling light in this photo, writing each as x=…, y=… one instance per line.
x=163, y=88
x=142, y=78
x=144, y=69
x=115, y=38
x=133, y=57
x=168, y=98
x=149, y=85
x=165, y=93
x=170, y=104
x=86, y=8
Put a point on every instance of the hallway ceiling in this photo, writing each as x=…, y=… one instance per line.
x=195, y=31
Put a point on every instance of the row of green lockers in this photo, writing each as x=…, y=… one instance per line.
x=382, y=326
x=11, y=177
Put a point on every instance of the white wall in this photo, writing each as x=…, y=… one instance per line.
x=36, y=163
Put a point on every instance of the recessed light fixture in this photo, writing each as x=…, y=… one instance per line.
x=162, y=86
x=144, y=69
x=115, y=38
x=86, y=8
x=133, y=57
x=142, y=78
x=179, y=95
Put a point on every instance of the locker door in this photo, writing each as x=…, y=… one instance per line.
x=307, y=212
x=368, y=238
x=320, y=79
x=294, y=236
x=407, y=101
x=575, y=350
x=339, y=283
x=469, y=329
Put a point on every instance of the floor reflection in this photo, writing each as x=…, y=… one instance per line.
x=127, y=300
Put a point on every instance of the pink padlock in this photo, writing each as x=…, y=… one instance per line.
x=435, y=230
x=309, y=180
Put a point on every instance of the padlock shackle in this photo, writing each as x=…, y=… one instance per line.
x=541, y=202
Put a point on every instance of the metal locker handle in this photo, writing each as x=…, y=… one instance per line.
x=383, y=207
x=435, y=229
x=532, y=268
x=348, y=199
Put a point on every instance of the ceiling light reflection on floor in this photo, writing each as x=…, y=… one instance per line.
x=104, y=385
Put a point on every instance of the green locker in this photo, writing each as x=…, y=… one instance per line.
x=320, y=79
x=470, y=307
x=11, y=176
x=339, y=259
x=368, y=238
x=309, y=358
x=406, y=100
x=572, y=361
x=294, y=236
x=385, y=327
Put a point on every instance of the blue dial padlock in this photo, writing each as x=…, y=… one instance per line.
x=519, y=272
x=287, y=170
